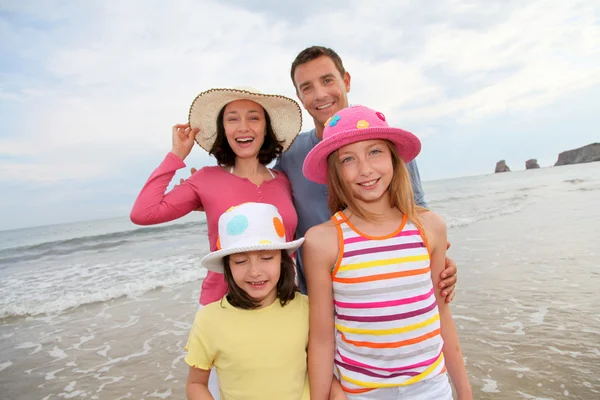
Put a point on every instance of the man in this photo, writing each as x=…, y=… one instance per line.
x=322, y=85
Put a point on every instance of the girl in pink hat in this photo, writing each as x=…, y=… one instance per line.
x=371, y=271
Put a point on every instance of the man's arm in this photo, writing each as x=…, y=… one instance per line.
x=415, y=179
x=448, y=276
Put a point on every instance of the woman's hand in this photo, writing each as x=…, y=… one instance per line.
x=183, y=140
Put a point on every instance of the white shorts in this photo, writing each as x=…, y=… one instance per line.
x=437, y=388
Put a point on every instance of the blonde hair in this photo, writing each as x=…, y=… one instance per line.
x=400, y=190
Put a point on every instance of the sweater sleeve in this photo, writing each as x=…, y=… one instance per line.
x=153, y=206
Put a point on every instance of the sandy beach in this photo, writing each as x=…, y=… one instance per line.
x=526, y=305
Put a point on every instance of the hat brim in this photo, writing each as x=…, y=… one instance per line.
x=214, y=261
x=315, y=164
x=285, y=114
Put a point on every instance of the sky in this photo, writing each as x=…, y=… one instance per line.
x=89, y=90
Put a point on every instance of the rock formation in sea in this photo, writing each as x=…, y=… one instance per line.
x=584, y=154
x=502, y=167
x=531, y=164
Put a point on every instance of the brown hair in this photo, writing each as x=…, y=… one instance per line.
x=314, y=52
x=286, y=286
x=400, y=190
x=270, y=149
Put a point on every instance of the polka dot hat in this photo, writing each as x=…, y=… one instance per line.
x=249, y=227
x=355, y=124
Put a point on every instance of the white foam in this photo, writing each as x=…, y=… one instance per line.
x=465, y=318
x=177, y=360
x=573, y=354
x=163, y=395
x=104, y=351
x=29, y=345
x=51, y=375
x=490, y=386
x=57, y=353
x=70, y=387
x=519, y=369
x=517, y=326
x=538, y=317
x=82, y=340
x=5, y=365
x=77, y=393
x=111, y=380
x=34, y=292
x=528, y=396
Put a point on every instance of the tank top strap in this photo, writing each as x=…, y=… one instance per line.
x=339, y=218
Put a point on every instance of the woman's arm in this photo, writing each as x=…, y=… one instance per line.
x=196, y=387
x=436, y=235
x=153, y=206
x=319, y=254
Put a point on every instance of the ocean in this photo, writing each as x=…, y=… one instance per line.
x=102, y=309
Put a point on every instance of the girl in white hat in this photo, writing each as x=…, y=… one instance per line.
x=257, y=335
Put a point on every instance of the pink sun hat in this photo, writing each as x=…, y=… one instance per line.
x=355, y=124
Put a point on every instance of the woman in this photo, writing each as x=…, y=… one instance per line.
x=244, y=130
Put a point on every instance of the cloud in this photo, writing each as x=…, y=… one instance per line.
x=90, y=90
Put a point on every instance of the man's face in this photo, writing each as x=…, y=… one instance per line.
x=321, y=88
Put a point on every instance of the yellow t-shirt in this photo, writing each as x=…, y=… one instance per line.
x=258, y=354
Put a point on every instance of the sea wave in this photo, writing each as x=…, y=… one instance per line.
x=90, y=243
x=48, y=292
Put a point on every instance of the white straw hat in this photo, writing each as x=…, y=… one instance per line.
x=285, y=113
x=249, y=227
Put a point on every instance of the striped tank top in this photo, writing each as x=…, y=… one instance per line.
x=387, y=325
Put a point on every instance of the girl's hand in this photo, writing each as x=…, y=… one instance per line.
x=183, y=140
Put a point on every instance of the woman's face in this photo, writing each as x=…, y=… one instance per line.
x=245, y=127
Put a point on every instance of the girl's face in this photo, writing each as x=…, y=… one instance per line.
x=367, y=169
x=257, y=273
x=245, y=127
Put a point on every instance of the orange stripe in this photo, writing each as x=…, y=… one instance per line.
x=382, y=277
x=424, y=237
x=355, y=391
x=391, y=235
x=392, y=345
x=340, y=256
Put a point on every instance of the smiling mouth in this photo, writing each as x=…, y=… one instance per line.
x=369, y=184
x=244, y=140
x=324, y=106
x=259, y=283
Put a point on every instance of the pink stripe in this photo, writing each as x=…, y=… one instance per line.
x=364, y=239
x=418, y=365
x=382, y=304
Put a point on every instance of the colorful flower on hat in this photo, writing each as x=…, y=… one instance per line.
x=327, y=122
x=380, y=115
x=362, y=124
x=334, y=120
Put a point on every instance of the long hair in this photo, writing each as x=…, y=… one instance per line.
x=400, y=190
x=286, y=286
x=222, y=151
